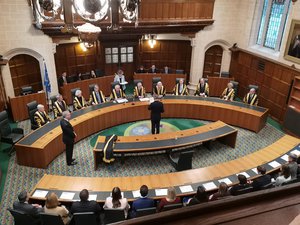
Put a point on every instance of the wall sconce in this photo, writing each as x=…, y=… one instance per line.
x=151, y=39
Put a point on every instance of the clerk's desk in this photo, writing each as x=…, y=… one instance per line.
x=210, y=177
x=40, y=147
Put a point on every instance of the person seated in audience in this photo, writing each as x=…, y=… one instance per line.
x=159, y=90
x=117, y=93
x=261, y=181
x=52, y=207
x=228, y=93
x=180, y=88
x=251, y=98
x=116, y=201
x=170, y=199
x=93, y=74
x=139, y=91
x=292, y=163
x=166, y=70
x=40, y=116
x=141, y=69
x=23, y=206
x=62, y=80
x=79, y=101
x=97, y=96
x=119, y=77
x=202, y=89
x=84, y=205
x=284, y=176
x=222, y=192
x=143, y=202
x=59, y=106
x=153, y=69
x=242, y=185
x=200, y=197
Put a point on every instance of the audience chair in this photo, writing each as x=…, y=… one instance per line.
x=72, y=78
x=235, y=87
x=113, y=215
x=244, y=191
x=53, y=100
x=32, y=108
x=172, y=206
x=91, y=88
x=73, y=93
x=137, y=81
x=85, y=218
x=99, y=73
x=9, y=135
x=51, y=219
x=291, y=181
x=183, y=161
x=179, y=71
x=22, y=218
x=145, y=211
x=267, y=186
x=250, y=86
x=26, y=90
x=113, y=84
x=225, y=74
x=155, y=80
x=85, y=76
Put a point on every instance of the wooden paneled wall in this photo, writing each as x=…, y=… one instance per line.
x=25, y=71
x=175, y=54
x=175, y=10
x=273, y=78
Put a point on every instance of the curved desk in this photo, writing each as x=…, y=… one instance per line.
x=41, y=146
x=209, y=177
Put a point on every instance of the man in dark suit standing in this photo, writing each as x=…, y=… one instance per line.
x=68, y=137
x=156, y=108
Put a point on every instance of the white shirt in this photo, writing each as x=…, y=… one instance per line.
x=124, y=204
x=117, y=79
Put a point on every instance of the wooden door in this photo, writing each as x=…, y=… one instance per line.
x=25, y=71
x=2, y=91
x=213, y=61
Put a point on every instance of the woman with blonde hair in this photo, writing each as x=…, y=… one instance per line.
x=52, y=207
x=170, y=199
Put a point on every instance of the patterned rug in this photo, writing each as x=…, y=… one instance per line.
x=25, y=178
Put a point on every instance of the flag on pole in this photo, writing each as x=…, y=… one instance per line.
x=46, y=80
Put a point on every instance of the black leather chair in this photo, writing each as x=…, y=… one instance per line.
x=32, y=108
x=91, y=88
x=99, y=73
x=250, y=86
x=244, y=191
x=51, y=219
x=225, y=74
x=22, y=218
x=267, y=186
x=85, y=76
x=183, y=161
x=26, y=90
x=137, y=81
x=155, y=80
x=9, y=135
x=145, y=211
x=85, y=218
x=172, y=206
x=113, y=84
x=113, y=215
x=291, y=181
x=179, y=71
x=235, y=87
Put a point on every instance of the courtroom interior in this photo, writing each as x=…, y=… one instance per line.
x=149, y=112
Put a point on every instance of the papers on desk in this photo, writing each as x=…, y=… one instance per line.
x=186, y=189
x=244, y=173
x=136, y=194
x=151, y=99
x=226, y=181
x=209, y=186
x=274, y=164
x=255, y=170
x=285, y=157
x=124, y=83
x=93, y=197
x=67, y=195
x=161, y=192
x=40, y=194
x=144, y=99
x=121, y=100
x=296, y=152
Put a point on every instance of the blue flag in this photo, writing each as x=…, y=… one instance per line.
x=46, y=80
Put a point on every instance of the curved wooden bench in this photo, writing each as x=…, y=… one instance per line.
x=209, y=176
x=36, y=149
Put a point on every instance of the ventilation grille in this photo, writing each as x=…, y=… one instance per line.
x=261, y=65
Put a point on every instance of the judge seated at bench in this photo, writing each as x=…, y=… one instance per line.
x=180, y=88
x=59, y=106
x=202, y=89
x=79, y=101
x=117, y=93
x=251, y=98
x=159, y=90
x=96, y=97
x=228, y=93
x=139, y=91
x=40, y=116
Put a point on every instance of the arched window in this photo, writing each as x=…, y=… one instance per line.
x=272, y=23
